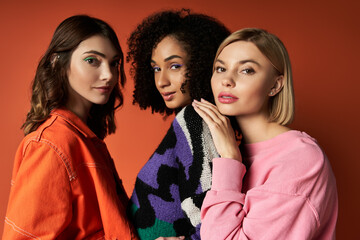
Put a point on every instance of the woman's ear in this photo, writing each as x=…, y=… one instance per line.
x=278, y=85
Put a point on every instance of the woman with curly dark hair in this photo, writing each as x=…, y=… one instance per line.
x=171, y=55
x=64, y=183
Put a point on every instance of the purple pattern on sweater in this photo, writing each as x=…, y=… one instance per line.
x=171, y=175
x=149, y=171
x=184, y=154
x=167, y=211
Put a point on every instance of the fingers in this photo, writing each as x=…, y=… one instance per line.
x=209, y=106
x=203, y=114
x=209, y=112
x=220, y=128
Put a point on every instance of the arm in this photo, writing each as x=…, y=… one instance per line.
x=227, y=213
x=261, y=212
x=39, y=204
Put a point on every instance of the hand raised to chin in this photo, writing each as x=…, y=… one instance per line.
x=221, y=130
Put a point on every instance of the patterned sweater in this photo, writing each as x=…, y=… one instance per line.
x=171, y=187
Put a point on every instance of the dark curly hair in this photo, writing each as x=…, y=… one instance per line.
x=200, y=36
x=50, y=85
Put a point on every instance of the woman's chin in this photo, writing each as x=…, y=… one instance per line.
x=227, y=111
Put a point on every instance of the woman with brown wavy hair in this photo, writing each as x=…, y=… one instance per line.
x=64, y=183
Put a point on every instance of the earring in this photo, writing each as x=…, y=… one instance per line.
x=271, y=93
x=54, y=59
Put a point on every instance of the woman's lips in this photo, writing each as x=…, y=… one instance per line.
x=225, y=97
x=168, y=96
x=104, y=89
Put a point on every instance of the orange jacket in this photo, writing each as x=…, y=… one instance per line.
x=65, y=185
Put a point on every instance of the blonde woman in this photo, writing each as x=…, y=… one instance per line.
x=279, y=183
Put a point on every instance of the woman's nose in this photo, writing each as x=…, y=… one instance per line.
x=228, y=81
x=162, y=80
x=106, y=72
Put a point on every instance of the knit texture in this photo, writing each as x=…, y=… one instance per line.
x=171, y=187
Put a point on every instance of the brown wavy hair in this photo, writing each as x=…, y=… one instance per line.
x=50, y=85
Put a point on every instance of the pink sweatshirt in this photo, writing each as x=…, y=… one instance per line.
x=288, y=192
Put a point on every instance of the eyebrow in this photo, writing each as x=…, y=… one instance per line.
x=241, y=62
x=99, y=53
x=168, y=58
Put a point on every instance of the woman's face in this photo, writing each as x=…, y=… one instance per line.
x=168, y=61
x=243, y=80
x=93, y=73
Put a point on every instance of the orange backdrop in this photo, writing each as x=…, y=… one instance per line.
x=322, y=38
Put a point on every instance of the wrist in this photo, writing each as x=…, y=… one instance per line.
x=234, y=155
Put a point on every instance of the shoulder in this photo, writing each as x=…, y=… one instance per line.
x=192, y=128
x=295, y=155
x=190, y=123
x=298, y=145
x=36, y=153
x=298, y=161
x=303, y=156
x=194, y=133
x=55, y=136
x=310, y=174
x=309, y=158
x=59, y=132
x=187, y=116
x=64, y=139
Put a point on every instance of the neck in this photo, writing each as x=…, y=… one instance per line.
x=81, y=109
x=78, y=105
x=82, y=113
x=258, y=128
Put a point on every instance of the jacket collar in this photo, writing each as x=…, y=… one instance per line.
x=73, y=120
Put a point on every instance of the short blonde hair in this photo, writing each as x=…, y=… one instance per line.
x=282, y=105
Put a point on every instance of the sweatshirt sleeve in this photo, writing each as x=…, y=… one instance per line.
x=39, y=206
x=227, y=213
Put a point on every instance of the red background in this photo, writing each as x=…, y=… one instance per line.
x=322, y=38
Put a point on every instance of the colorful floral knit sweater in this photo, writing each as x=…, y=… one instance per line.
x=171, y=187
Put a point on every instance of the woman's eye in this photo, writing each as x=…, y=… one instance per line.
x=156, y=69
x=220, y=69
x=248, y=71
x=91, y=60
x=175, y=66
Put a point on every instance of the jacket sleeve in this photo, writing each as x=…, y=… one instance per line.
x=39, y=206
x=227, y=213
